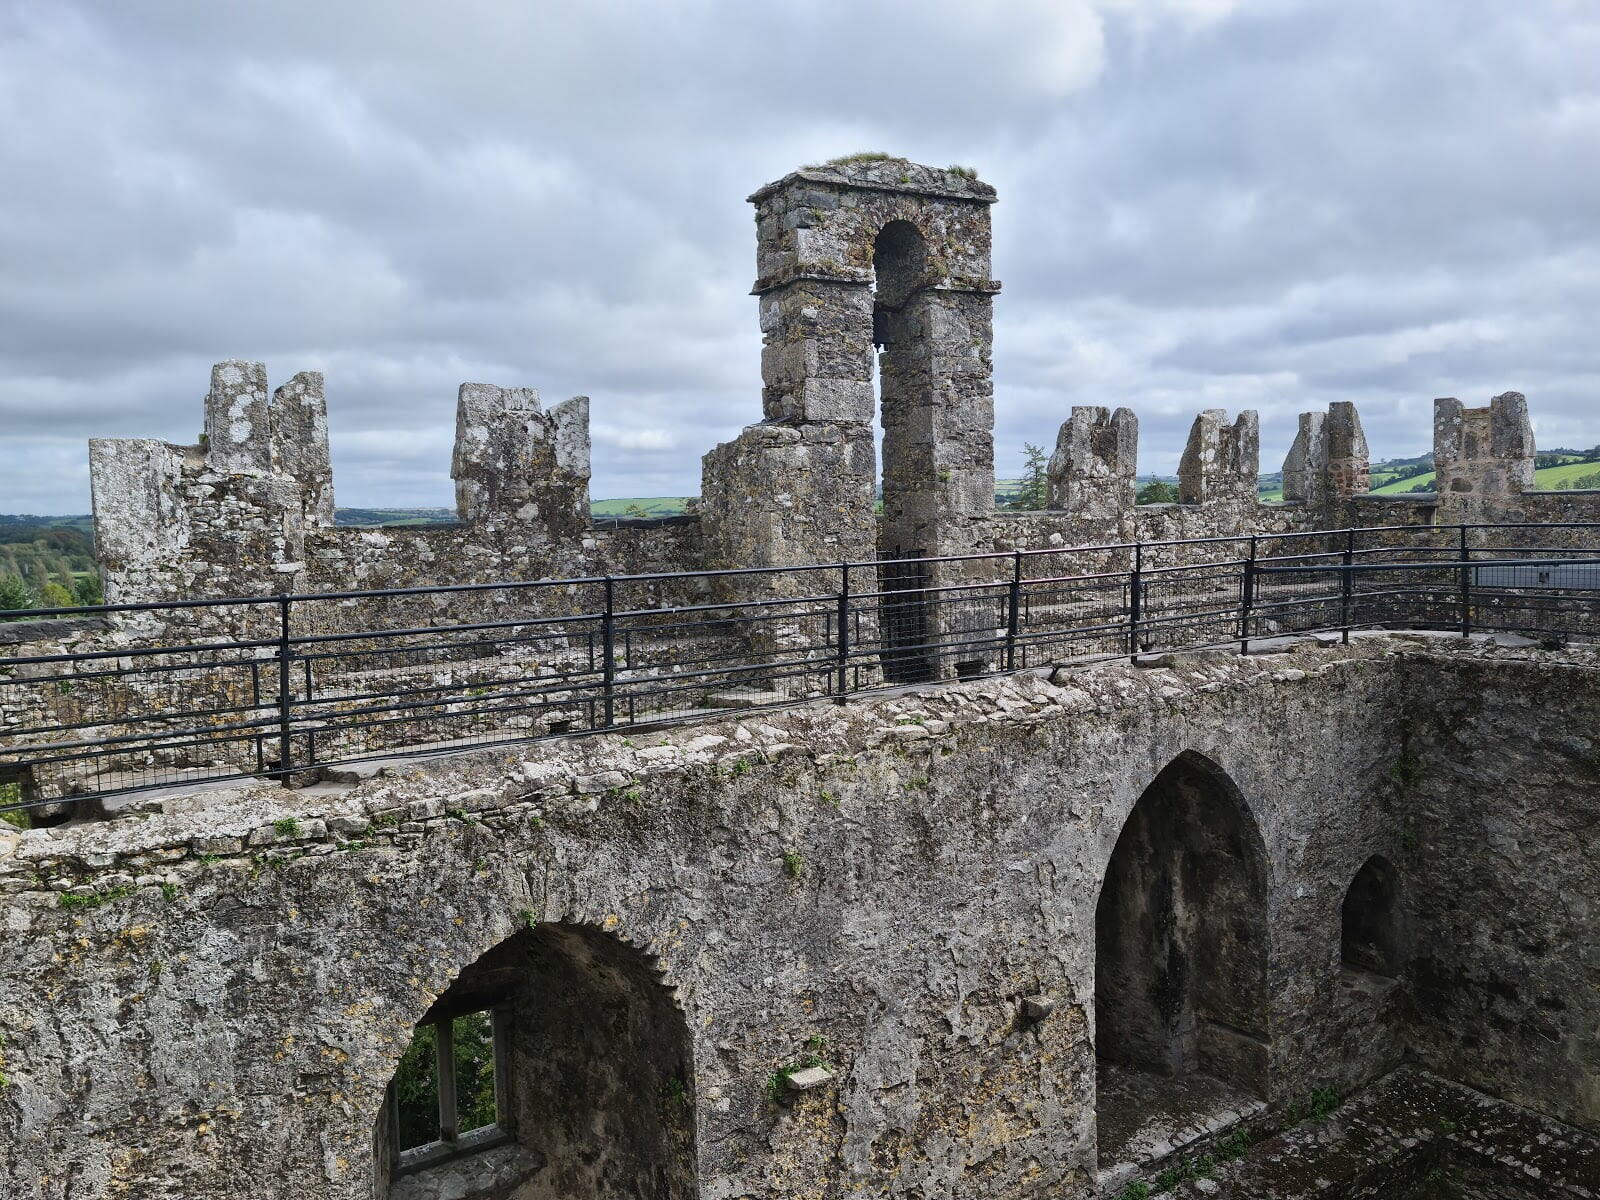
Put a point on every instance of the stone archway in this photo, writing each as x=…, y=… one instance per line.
x=1372, y=925
x=557, y=1065
x=907, y=472
x=1181, y=996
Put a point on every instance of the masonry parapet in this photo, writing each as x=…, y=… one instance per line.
x=1221, y=462
x=1483, y=453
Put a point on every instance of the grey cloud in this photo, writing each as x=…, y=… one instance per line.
x=1273, y=204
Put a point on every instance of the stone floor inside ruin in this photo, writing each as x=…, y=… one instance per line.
x=1145, y=1118
x=1410, y=1136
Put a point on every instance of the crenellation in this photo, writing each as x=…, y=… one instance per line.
x=299, y=439
x=1221, y=462
x=1483, y=454
x=238, y=419
x=1329, y=462
x=141, y=514
x=1093, y=470
x=515, y=462
x=876, y=442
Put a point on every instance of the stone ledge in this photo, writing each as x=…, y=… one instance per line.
x=408, y=799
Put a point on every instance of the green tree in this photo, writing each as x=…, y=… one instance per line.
x=1157, y=491
x=87, y=590
x=474, y=1046
x=1032, y=490
x=416, y=1090
x=416, y=1080
x=53, y=595
x=14, y=593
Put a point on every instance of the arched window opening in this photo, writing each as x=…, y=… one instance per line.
x=1372, y=933
x=557, y=1064
x=905, y=389
x=1181, y=1005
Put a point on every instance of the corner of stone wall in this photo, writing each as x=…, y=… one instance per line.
x=141, y=522
x=786, y=495
x=227, y=516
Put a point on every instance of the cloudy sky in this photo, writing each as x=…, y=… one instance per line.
x=1234, y=203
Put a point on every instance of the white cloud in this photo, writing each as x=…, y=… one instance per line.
x=1278, y=204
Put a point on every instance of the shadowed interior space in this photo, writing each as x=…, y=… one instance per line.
x=1181, y=965
x=557, y=1065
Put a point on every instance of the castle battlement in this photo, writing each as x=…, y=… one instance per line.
x=873, y=268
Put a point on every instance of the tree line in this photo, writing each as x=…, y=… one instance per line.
x=47, y=567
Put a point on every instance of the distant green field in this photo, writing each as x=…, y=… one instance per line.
x=1395, y=486
x=632, y=506
x=1545, y=479
x=1549, y=477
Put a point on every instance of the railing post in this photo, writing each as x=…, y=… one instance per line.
x=608, y=655
x=1014, y=606
x=1466, y=584
x=843, y=640
x=1347, y=584
x=1247, y=596
x=285, y=725
x=1135, y=599
x=255, y=704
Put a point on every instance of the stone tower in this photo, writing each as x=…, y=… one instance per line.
x=860, y=263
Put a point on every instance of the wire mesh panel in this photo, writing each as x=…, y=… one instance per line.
x=1535, y=579
x=440, y=668
x=150, y=697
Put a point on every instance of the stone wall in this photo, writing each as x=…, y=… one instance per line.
x=1495, y=837
x=226, y=517
x=211, y=1000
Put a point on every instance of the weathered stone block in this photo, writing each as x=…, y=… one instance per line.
x=1092, y=472
x=238, y=429
x=517, y=464
x=1482, y=454
x=1221, y=462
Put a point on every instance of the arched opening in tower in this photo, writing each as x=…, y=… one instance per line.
x=556, y=1065
x=907, y=471
x=1181, y=1005
x=1372, y=936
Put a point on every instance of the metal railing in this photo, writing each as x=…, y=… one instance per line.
x=155, y=695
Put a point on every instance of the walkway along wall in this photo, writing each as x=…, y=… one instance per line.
x=212, y=1000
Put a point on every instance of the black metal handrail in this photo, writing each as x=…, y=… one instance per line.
x=152, y=695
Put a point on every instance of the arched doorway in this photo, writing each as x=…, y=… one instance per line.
x=1372, y=927
x=556, y=1065
x=907, y=469
x=1181, y=1004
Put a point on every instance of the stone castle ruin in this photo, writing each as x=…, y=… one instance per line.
x=875, y=297
x=1178, y=897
